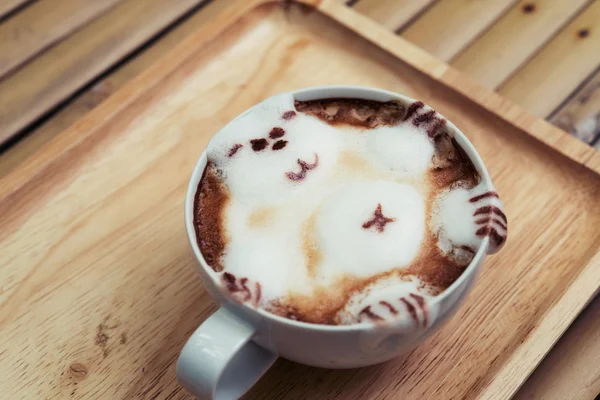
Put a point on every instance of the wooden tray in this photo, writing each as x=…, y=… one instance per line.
x=99, y=290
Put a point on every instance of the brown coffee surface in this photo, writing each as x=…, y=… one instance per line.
x=209, y=207
x=451, y=167
x=356, y=112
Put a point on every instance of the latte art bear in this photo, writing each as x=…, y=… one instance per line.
x=342, y=211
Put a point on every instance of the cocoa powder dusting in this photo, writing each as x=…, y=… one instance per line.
x=451, y=165
x=304, y=168
x=422, y=305
x=238, y=287
x=483, y=196
x=412, y=110
x=435, y=127
x=433, y=267
x=280, y=144
x=234, y=150
x=390, y=307
x=209, y=205
x=490, y=209
x=369, y=314
x=322, y=306
x=258, y=290
x=424, y=118
x=259, y=144
x=379, y=220
x=490, y=231
x=288, y=115
x=411, y=309
x=355, y=112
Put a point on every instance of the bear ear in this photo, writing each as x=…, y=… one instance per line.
x=489, y=218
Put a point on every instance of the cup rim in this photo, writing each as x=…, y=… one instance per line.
x=323, y=92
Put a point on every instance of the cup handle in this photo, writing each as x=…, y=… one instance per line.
x=219, y=361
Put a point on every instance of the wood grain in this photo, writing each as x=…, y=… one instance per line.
x=50, y=78
x=557, y=70
x=42, y=24
x=394, y=15
x=450, y=25
x=6, y=6
x=569, y=371
x=97, y=256
x=552, y=332
x=93, y=96
x=459, y=82
x=515, y=38
x=580, y=116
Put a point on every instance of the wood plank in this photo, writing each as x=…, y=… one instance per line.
x=515, y=38
x=86, y=101
x=580, y=116
x=558, y=69
x=42, y=24
x=6, y=6
x=392, y=14
x=54, y=75
x=18, y=152
x=571, y=370
x=451, y=25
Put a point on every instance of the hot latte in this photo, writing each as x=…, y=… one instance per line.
x=341, y=211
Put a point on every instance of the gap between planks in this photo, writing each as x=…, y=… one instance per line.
x=394, y=15
x=446, y=28
x=78, y=106
x=515, y=38
x=42, y=24
x=49, y=79
x=12, y=6
x=560, y=67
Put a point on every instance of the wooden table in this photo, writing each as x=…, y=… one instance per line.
x=61, y=58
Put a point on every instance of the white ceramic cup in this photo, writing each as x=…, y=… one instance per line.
x=236, y=345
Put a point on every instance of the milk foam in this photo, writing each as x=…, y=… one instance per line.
x=460, y=212
x=452, y=221
x=334, y=202
x=387, y=299
x=408, y=152
x=350, y=247
x=258, y=178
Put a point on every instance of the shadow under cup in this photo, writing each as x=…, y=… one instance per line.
x=329, y=346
